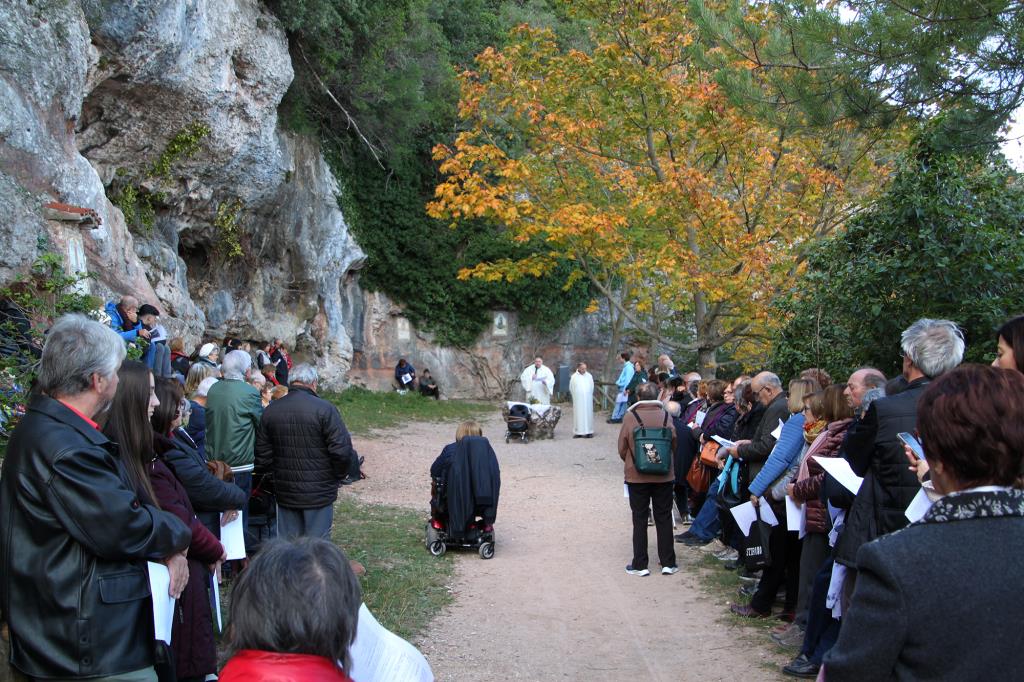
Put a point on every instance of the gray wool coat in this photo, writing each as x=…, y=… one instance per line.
x=942, y=599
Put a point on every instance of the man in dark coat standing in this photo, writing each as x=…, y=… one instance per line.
x=930, y=349
x=74, y=536
x=303, y=444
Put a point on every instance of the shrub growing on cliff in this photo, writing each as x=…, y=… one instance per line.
x=29, y=305
x=140, y=196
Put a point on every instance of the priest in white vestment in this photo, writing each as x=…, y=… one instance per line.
x=538, y=382
x=581, y=386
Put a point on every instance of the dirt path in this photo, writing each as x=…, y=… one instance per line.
x=555, y=602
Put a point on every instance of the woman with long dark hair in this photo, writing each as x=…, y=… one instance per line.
x=192, y=642
x=210, y=497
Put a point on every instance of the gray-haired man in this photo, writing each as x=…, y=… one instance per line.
x=930, y=348
x=304, y=445
x=74, y=537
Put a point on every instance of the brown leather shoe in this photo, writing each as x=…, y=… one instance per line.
x=748, y=612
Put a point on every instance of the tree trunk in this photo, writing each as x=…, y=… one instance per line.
x=707, y=362
x=610, y=371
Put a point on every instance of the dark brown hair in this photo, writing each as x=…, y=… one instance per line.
x=128, y=426
x=972, y=420
x=310, y=572
x=647, y=391
x=823, y=378
x=1013, y=333
x=716, y=390
x=834, y=404
x=169, y=392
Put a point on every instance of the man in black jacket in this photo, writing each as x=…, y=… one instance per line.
x=74, y=537
x=304, y=445
x=767, y=388
x=930, y=348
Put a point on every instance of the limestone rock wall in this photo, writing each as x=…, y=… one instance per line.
x=93, y=92
x=488, y=369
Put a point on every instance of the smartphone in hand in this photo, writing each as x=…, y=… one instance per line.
x=912, y=443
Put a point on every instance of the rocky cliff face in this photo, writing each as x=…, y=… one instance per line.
x=246, y=236
x=168, y=109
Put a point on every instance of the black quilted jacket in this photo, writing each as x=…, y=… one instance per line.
x=303, y=444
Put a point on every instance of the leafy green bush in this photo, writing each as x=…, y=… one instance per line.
x=944, y=241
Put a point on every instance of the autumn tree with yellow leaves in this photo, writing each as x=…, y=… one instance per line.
x=686, y=212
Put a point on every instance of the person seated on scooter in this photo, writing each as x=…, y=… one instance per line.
x=439, y=469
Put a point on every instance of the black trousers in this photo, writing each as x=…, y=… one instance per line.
x=641, y=497
x=785, y=569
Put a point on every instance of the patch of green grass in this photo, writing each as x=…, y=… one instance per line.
x=404, y=586
x=723, y=586
x=364, y=411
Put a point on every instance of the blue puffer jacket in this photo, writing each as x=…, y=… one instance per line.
x=784, y=454
x=117, y=322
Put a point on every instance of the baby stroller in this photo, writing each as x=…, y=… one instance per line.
x=464, y=502
x=518, y=423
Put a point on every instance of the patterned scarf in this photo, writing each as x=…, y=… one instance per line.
x=975, y=505
x=812, y=430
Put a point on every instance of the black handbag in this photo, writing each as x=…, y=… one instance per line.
x=734, y=489
x=756, y=547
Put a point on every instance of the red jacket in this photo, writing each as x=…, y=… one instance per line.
x=265, y=666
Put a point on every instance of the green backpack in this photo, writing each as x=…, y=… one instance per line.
x=652, y=447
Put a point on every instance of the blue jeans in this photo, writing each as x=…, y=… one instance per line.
x=620, y=410
x=707, y=526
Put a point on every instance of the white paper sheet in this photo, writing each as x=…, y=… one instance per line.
x=834, y=598
x=699, y=417
x=778, y=431
x=625, y=490
x=723, y=442
x=839, y=469
x=379, y=655
x=919, y=506
x=232, y=537
x=745, y=515
x=163, y=604
x=767, y=514
x=216, y=600
x=796, y=516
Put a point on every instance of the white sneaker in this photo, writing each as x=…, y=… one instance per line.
x=640, y=572
x=669, y=570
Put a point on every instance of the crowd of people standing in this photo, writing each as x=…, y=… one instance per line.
x=112, y=466
x=882, y=556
